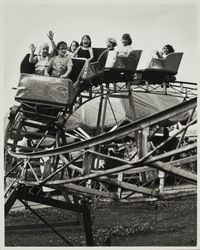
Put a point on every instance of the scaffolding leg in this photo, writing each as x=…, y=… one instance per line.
x=11, y=200
x=87, y=222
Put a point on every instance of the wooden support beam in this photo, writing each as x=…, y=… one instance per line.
x=167, y=167
x=107, y=180
x=142, y=145
x=155, y=158
x=125, y=185
x=180, y=162
x=140, y=162
x=177, y=193
x=115, y=170
x=87, y=163
x=128, y=186
x=165, y=196
x=77, y=189
x=119, y=190
x=48, y=201
x=99, y=116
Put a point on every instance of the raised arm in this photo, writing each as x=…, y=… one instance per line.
x=158, y=54
x=32, y=58
x=50, y=36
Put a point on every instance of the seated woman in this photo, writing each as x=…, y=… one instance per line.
x=126, y=47
x=60, y=65
x=166, y=50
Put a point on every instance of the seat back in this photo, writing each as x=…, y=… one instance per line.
x=95, y=69
x=102, y=60
x=170, y=63
x=97, y=52
x=45, y=90
x=77, y=67
x=27, y=67
x=129, y=63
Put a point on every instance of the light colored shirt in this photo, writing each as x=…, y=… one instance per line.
x=41, y=64
x=60, y=65
x=112, y=54
x=124, y=50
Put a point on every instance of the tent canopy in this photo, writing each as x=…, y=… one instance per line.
x=135, y=107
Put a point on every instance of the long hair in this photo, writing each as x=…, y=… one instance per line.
x=77, y=44
x=170, y=48
x=88, y=37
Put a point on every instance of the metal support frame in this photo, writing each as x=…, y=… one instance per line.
x=11, y=200
x=46, y=223
x=23, y=196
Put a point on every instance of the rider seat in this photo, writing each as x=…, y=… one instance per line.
x=162, y=69
x=95, y=68
x=123, y=67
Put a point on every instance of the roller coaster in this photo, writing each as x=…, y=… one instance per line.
x=105, y=136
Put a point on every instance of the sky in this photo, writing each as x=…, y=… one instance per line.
x=151, y=25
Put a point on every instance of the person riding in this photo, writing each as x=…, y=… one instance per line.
x=166, y=50
x=41, y=60
x=60, y=65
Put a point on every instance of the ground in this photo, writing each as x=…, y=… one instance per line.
x=160, y=223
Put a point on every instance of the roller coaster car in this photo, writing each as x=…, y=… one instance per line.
x=123, y=64
x=162, y=69
x=45, y=96
x=42, y=96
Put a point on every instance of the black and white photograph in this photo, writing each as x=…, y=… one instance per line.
x=99, y=124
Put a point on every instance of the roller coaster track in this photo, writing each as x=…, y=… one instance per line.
x=122, y=131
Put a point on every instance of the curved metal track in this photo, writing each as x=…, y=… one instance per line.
x=119, y=132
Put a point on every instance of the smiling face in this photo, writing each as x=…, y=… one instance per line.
x=86, y=42
x=125, y=42
x=73, y=47
x=44, y=50
x=62, y=50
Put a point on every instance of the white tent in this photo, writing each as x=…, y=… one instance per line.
x=139, y=105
